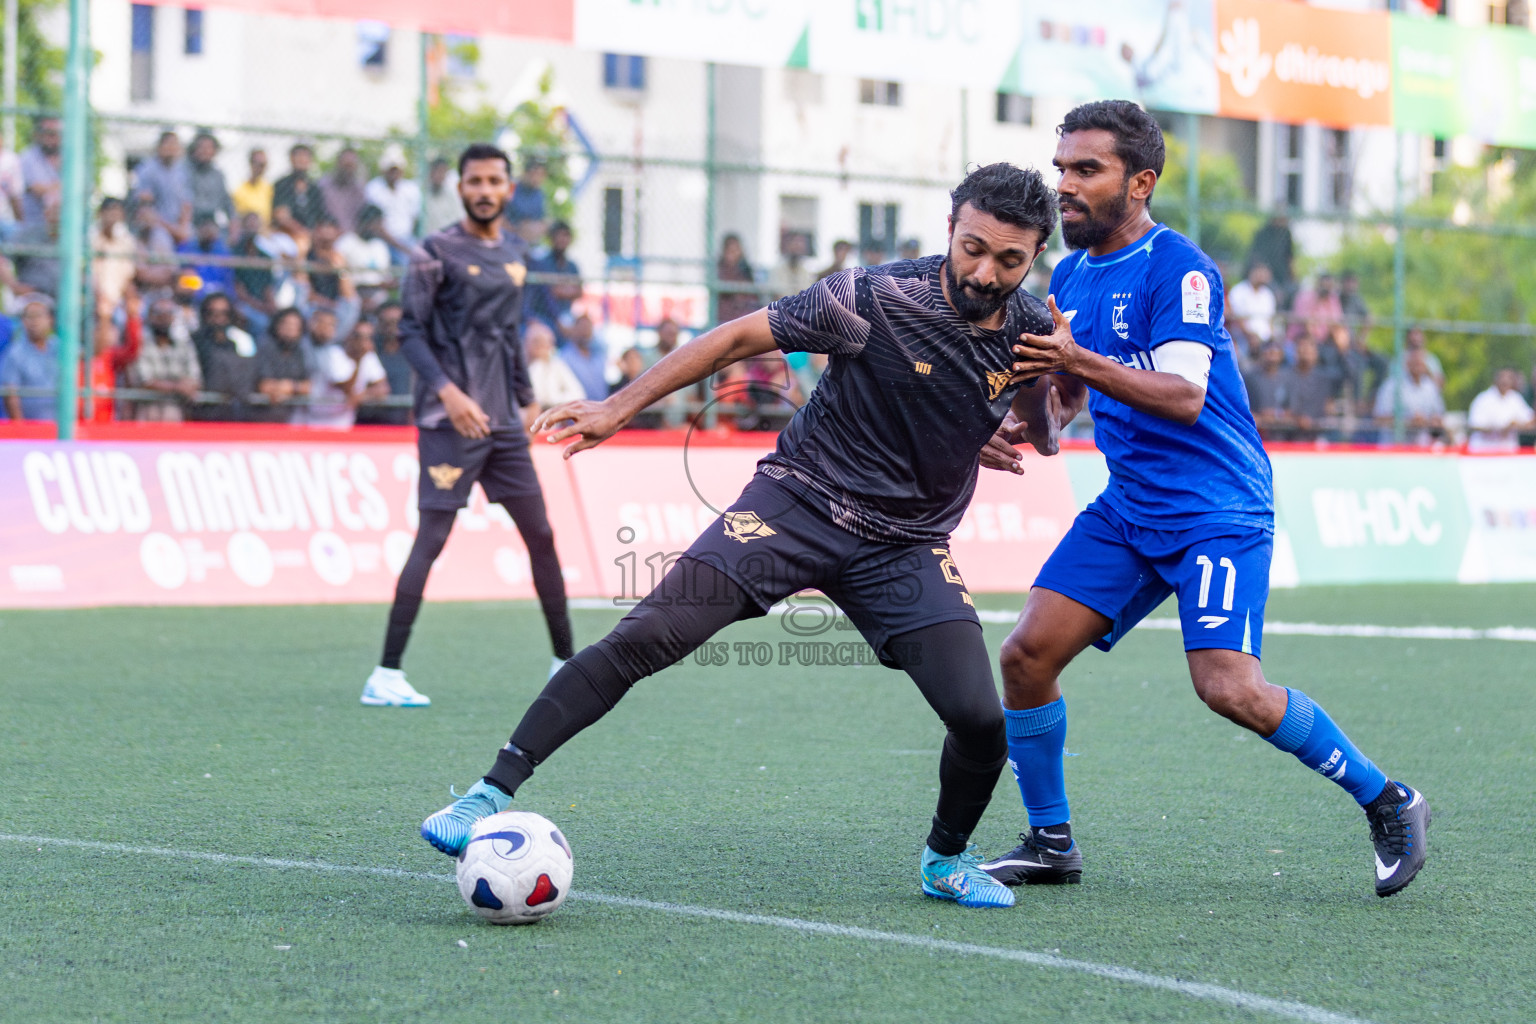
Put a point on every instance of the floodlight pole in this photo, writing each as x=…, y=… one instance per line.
x=965, y=131
x=72, y=215
x=423, y=113
x=1192, y=178
x=709, y=192
x=12, y=63
x=1399, y=372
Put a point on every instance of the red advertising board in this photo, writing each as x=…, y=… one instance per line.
x=167, y=522
x=534, y=19
x=104, y=523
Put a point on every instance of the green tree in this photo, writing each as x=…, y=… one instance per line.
x=40, y=72
x=534, y=129
x=1224, y=232
x=1456, y=272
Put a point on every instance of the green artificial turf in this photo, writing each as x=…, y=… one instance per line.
x=800, y=793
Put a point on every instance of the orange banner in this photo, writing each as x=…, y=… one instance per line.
x=1294, y=62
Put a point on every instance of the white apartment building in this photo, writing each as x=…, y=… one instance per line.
x=825, y=156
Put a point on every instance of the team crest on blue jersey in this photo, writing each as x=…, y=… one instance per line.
x=745, y=526
x=997, y=380
x=517, y=272
x=1117, y=318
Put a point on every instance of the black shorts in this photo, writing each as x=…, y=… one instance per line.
x=451, y=463
x=779, y=539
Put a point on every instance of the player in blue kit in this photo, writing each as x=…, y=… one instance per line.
x=1189, y=509
x=858, y=500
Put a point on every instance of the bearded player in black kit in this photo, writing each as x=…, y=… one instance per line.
x=858, y=500
x=463, y=305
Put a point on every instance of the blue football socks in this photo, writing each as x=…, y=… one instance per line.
x=1308, y=732
x=1036, y=743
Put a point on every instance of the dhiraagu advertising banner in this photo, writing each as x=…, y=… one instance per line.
x=1371, y=518
x=1450, y=79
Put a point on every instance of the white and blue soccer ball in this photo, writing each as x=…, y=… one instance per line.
x=516, y=868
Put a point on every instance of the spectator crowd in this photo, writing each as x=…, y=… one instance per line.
x=1301, y=345
x=275, y=299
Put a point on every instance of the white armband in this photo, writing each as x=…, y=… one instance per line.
x=1189, y=359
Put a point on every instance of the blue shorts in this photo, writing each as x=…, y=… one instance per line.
x=779, y=539
x=1219, y=571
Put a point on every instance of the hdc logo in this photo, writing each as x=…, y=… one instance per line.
x=1386, y=517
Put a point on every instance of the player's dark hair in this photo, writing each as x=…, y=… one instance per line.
x=1138, y=136
x=1014, y=195
x=484, y=151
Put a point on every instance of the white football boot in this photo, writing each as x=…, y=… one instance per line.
x=387, y=688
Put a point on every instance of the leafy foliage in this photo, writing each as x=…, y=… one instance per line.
x=534, y=129
x=1224, y=232
x=1457, y=272
x=40, y=73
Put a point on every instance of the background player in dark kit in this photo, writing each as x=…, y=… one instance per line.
x=463, y=300
x=858, y=500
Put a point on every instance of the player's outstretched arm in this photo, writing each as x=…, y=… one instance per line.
x=1037, y=417
x=1162, y=394
x=709, y=353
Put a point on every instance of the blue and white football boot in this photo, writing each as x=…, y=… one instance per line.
x=960, y=878
x=448, y=830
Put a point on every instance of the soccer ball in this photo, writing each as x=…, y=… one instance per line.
x=516, y=868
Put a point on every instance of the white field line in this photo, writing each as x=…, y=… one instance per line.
x=1191, y=989
x=1518, y=634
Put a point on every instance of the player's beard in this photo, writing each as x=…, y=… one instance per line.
x=1095, y=226
x=473, y=214
x=973, y=302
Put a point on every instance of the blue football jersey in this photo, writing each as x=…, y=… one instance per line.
x=1164, y=475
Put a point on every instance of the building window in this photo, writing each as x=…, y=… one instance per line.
x=797, y=225
x=879, y=227
x=622, y=71
x=372, y=45
x=878, y=93
x=802, y=86
x=1292, y=164
x=613, y=221
x=1341, y=168
x=141, y=61
x=1015, y=109
x=192, y=34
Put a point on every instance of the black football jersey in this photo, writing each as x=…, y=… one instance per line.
x=891, y=437
x=463, y=305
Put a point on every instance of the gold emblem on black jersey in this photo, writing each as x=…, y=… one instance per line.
x=997, y=380
x=517, y=272
x=444, y=476
x=473, y=269
x=923, y=368
x=745, y=526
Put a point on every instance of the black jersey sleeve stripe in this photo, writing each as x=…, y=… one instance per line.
x=823, y=318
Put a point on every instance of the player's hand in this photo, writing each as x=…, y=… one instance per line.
x=1038, y=354
x=594, y=422
x=1045, y=436
x=999, y=452
x=529, y=414
x=464, y=413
